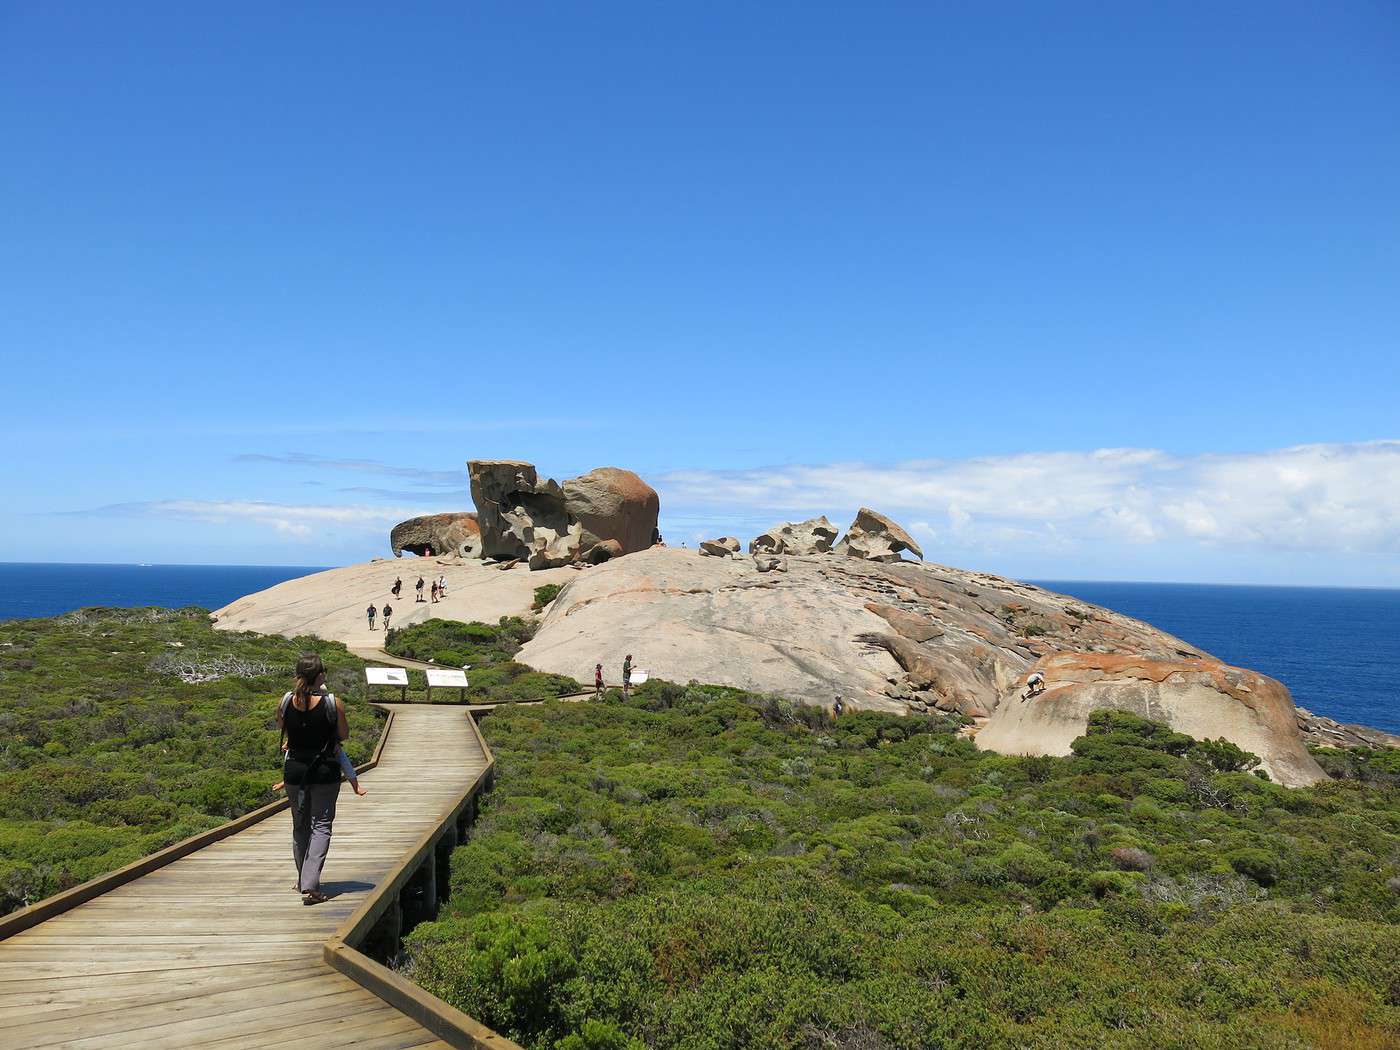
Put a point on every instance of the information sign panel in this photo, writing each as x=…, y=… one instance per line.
x=448, y=678
x=386, y=676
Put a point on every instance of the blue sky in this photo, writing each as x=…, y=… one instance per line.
x=269, y=276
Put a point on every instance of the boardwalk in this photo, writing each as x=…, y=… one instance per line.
x=216, y=950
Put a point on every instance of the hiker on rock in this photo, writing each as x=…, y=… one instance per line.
x=598, y=682
x=398, y=585
x=388, y=612
x=433, y=592
x=371, y=612
x=1035, y=685
x=627, y=677
x=418, y=589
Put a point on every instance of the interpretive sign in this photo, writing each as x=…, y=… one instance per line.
x=447, y=678
x=386, y=676
x=639, y=676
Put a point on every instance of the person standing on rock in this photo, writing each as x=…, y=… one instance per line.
x=388, y=612
x=627, y=677
x=598, y=682
x=394, y=590
x=418, y=590
x=371, y=612
x=315, y=725
x=433, y=592
x=442, y=585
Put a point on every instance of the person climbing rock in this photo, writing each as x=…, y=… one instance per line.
x=1035, y=685
x=371, y=612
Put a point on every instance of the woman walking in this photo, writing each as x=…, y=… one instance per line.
x=315, y=725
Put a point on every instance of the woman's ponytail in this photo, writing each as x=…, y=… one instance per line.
x=309, y=671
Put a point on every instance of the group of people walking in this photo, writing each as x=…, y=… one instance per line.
x=438, y=589
x=437, y=592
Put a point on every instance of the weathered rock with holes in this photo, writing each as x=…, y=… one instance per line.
x=875, y=537
x=813, y=536
x=724, y=547
x=603, y=514
x=443, y=534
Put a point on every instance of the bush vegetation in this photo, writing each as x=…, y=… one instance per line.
x=495, y=677
x=700, y=867
x=546, y=594
x=125, y=730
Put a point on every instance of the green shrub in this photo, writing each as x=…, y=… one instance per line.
x=702, y=867
x=544, y=595
x=1257, y=864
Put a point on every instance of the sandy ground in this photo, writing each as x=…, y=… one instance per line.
x=332, y=604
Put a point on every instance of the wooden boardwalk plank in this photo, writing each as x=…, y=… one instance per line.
x=216, y=949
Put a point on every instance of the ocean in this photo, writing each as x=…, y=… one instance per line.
x=1334, y=647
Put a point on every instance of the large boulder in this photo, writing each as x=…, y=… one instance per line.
x=723, y=547
x=1202, y=697
x=613, y=504
x=813, y=536
x=454, y=533
x=874, y=537
x=600, y=515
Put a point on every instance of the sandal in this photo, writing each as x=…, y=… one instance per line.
x=314, y=897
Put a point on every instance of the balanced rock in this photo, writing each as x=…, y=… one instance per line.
x=602, y=514
x=613, y=504
x=1202, y=697
x=455, y=533
x=813, y=536
x=723, y=547
x=874, y=537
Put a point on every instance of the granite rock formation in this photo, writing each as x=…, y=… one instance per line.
x=723, y=547
x=603, y=514
x=1199, y=696
x=905, y=636
x=453, y=533
x=875, y=537
x=813, y=536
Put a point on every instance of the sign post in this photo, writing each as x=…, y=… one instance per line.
x=391, y=676
x=445, y=678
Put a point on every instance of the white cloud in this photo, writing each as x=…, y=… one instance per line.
x=1343, y=498
x=302, y=522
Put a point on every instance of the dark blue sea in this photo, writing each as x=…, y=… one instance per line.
x=1336, y=648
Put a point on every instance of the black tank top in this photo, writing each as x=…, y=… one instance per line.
x=310, y=752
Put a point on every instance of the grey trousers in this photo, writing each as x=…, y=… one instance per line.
x=313, y=812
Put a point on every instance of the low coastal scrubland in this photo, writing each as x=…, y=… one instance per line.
x=702, y=867
x=125, y=730
x=489, y=649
